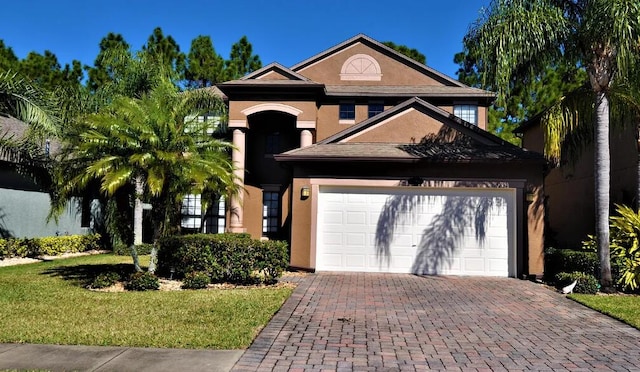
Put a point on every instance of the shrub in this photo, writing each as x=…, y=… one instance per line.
x=233, y=258
x=568, y=260
x=586, y=283
x=196, y=280
x=123, y=249
x=106, y=279
x=143, y=281
x=52, y=246
x=625, y=245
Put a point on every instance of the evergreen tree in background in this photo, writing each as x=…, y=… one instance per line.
x=204, y=66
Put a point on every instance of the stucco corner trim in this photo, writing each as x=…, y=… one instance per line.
x=306, y=124
x=271, y=107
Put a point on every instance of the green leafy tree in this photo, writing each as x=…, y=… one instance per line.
x=409, y=52
x=242, y=60
x=154, y=142
x=520, y=38
x=165, y=50
x=103, y=68
x=204, y=66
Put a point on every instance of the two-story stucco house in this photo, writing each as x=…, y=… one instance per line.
x=365, y=160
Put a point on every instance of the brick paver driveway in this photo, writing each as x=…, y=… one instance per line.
x=349, y=321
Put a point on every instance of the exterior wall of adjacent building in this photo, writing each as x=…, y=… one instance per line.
x=569, y=189
x=24, y=209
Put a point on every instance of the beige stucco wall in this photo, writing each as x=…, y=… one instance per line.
x=394, y=72
x=410, y=127
x=569, y=189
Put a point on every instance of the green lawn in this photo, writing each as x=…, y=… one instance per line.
x=47, y=303
x=622, y=307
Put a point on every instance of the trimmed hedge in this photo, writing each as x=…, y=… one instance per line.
x=143, y=281
x=587, y=283
x=568, y=261
x=50, y=246
x=230, y=258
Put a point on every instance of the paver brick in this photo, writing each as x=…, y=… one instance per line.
x=366, y=321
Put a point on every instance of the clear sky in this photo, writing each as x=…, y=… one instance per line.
x=280, y=31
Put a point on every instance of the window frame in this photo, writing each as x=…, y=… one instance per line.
x=376, y=112
x=466, y=108
x=346, y=116
x=271, y=200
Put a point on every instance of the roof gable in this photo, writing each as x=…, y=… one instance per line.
x=274, y=71
x=370, y=68
x=418, y=119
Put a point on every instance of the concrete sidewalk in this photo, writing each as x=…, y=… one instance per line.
x=99, y=358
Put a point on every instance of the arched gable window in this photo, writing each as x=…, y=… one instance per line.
x=361, y=67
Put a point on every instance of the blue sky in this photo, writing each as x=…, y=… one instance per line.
x=280, y=31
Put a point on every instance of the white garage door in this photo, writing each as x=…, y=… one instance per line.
x=416, y=230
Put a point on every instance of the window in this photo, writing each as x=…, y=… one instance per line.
x=347, y=112
x=270, y=212
x=191, y=212
x=215, y=221
x=208, y=123
x=375, y=108
x=272, y=144
x=468, y=113
x=192, y=216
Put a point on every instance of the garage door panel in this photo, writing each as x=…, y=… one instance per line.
x=401, y=229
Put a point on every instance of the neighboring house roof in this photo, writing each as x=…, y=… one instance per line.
x=361, y=38
x=472, y=145
x=12, y=129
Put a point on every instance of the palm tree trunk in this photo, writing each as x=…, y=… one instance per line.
x=137, y=212
x=602, y=179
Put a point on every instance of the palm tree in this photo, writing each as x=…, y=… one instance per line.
x=154, y=142
x=518, y=38
x=24, y=101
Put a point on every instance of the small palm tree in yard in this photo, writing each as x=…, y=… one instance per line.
x=518, y=39
x=153, y=144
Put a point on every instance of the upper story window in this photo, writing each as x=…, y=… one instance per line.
x=208, y=122
x=347, y=113
x=468, y=113
x=272, y=144
x=375, y=108
x=361, y=67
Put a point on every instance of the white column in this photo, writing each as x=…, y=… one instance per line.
x=236, y=224
x=306, y=138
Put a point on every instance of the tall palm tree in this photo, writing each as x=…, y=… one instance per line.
x=154, y=142
x=520, y=37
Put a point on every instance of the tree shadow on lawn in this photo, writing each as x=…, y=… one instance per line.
x=83, y=275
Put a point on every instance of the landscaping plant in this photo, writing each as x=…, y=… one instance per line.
x=625, y=245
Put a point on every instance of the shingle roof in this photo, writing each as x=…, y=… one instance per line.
x=14, y=129
x=424, y=152
x=407, y=91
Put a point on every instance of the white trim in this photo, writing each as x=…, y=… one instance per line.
x=271, y=107
x=347, y=121
x=306, y=124
x=237, y=123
